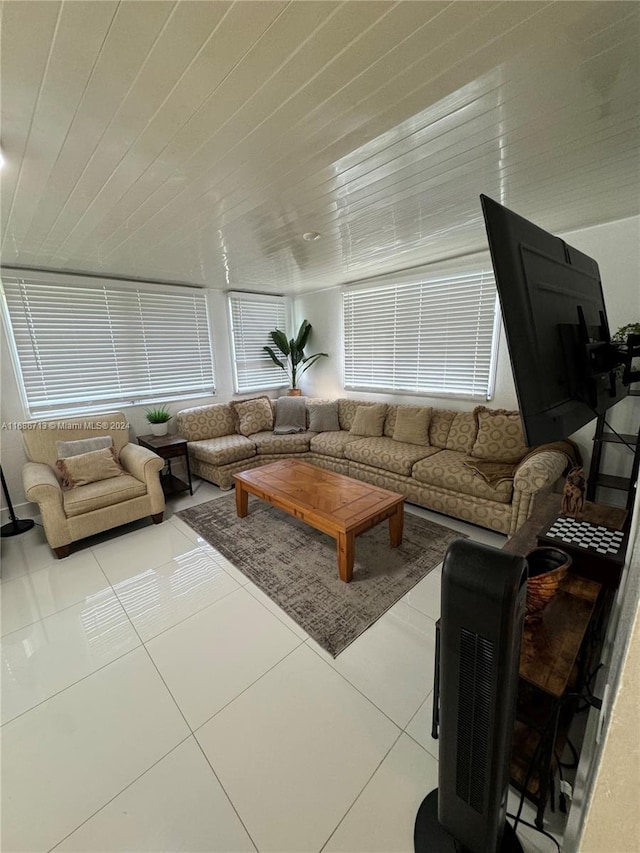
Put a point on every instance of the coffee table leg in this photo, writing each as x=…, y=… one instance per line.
x=396, y=526
x=346, y=555
x=242, y=501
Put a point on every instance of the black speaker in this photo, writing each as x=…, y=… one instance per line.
x=482, y=612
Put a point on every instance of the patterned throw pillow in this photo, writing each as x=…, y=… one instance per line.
x=369, y=420
x=85, y=468
x=500, y=437
x=412, y=424
x=255, y=415
x=83, y=445
x=463, y=432
x=323, y=417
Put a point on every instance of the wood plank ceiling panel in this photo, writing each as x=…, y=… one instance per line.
x=197, y=141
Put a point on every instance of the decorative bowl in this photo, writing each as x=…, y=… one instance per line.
x=547, y=568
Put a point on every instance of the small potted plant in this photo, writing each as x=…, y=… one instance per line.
x=295, y=362
x=159, y=419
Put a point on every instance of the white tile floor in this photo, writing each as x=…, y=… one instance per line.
x=155, y=699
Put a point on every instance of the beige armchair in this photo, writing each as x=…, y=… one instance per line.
x=69, y=515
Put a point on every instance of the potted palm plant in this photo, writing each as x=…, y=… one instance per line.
x=159, y=419
x=294, y=361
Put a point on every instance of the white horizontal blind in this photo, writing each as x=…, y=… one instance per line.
x=253, y=316
x=80, y=345
x=427, y=334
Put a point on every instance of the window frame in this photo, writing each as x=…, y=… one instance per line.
x=73, y=280
x=265, y=299
x=475, y=264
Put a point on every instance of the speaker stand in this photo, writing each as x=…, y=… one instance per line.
x=430, y=837
x=16, y=525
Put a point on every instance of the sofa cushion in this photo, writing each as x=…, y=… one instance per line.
x=387, y=454
x=412, y=425
x=222, y=450
x=323, y=417
x=347, y=411
x=104, y=493
x=369, y=420
x=202, y=422
x=85, y=468
x=462, y=433
x=446, y=470
x=268, y=443
x=332, y=443
x=254, y=415
x=390, y=420
x=500, y=437
x=441, y=420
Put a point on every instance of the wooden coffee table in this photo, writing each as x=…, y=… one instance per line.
x=337, y=505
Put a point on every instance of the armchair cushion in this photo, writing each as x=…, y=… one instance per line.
x=101, y=494
x=88, y=468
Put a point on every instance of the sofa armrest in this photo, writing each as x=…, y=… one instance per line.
x=534, y=478
x=141, y=463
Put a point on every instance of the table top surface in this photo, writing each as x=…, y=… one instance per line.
x=156, y=441
x=298, y=484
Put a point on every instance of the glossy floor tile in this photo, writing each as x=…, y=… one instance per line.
x=311, y=742
x=154, y=698
x=65, y=759
x=48, y=656
x=176, y=805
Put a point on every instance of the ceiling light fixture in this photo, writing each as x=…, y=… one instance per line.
x=311, y=235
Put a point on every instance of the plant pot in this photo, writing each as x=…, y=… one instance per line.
x=294, y=392
x=160, y=429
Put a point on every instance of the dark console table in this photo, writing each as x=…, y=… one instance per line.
x=554, y=656
x=169, y=447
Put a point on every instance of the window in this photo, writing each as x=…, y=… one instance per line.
x=252, y=317
x=423, y=332
x=82, y=343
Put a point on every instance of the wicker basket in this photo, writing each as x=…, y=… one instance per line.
x=547, y=568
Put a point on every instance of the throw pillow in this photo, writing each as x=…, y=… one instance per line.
x=323, y=417
x=412, y=424
x=83, y=445
x=369, y=420
x=500, y=437
x=255, y=415
x=88, y=468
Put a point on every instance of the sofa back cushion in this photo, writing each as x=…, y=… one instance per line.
x=412, y=424
x=500, y=436
x=390, y=420
x=202, y=422
x=441, y=420
x=369, y=420
x=462, y=433
x=347, y=411
x=254, y=415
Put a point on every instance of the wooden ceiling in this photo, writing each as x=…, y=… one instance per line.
x=198, y=141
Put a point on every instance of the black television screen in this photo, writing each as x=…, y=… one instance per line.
x=564, y=367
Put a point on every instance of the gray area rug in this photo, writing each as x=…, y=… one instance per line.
x=296, y=566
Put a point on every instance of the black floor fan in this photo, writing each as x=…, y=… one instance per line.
x=480, y=631
x=16, y=525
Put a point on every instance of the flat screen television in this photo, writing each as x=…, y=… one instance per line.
x=566, y=370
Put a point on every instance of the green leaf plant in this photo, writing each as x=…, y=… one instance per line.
x=158, y=416
x=294, y=362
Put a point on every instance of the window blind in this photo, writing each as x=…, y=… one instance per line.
x=426, y=334
x=84, y=344
x=252, y=317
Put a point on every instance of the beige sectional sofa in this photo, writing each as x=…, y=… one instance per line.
x=434, y=474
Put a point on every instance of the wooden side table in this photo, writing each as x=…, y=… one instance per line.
x=169, y=447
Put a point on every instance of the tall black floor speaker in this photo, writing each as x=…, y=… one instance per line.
x=482, y=612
